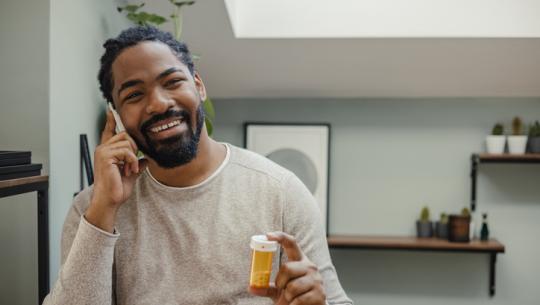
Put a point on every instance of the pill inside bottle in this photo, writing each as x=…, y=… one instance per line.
x=262, y=254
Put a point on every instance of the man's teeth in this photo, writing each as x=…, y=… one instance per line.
x=165, y=126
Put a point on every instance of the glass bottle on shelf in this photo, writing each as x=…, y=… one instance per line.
x=484, y=232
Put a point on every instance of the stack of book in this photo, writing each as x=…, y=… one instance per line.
x=17, y=164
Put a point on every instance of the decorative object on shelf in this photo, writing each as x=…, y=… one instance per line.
x=460, y=226
x=303, y=149
x=484, y=232
x=424, y=226
x=441, y=227
x=534, y=138
x=517, y=141
x=139, y=17
x=496, y=141
x=17, y=164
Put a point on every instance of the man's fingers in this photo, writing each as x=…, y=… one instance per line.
x=123, y=136
x=289, y=271
x=125, y=156
x=270, y=292
x=298, y=286
x=133, y=166
x=288, y=243
x=108, y=131
x=311, y=297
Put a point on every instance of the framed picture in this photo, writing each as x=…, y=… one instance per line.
x=303, y=149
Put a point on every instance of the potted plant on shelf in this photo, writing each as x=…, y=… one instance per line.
x=459, y=226
x=517, y=142
x=495, y=142
x=441, y=227
x=534, y=138
x=424, y=226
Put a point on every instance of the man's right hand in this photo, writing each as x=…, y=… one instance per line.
x=116, y=169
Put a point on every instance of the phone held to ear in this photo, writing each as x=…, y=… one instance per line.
x=120, y=127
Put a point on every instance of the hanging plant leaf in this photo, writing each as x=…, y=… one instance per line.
x=131, y=8
x=156, y=19
x=181, y=3
x=209, y=110
x=209, y=126
x=136, y=18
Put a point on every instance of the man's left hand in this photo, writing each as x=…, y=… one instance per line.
x=298, y=281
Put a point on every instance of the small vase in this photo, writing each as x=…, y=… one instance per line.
x=459, y=228
x=441, y=230
x=495, y=144
x=534, y=145
x=424, y=229
x=517, y=144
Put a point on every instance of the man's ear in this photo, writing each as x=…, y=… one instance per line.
x=200, y=85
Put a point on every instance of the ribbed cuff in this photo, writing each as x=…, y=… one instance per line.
x=89, y=231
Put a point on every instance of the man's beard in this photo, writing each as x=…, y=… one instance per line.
x=176, y=150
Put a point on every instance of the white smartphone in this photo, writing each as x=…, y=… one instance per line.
x=120, y=127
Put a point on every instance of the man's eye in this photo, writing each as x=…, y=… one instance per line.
x=173, y=82
x=133, y=95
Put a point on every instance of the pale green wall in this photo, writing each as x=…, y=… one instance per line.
x=391, y=157
x=78, y=30
x=24, y=125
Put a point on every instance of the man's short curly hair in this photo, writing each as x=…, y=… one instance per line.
x=130, y=37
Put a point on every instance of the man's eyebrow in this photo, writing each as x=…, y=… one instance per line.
x=133, y=82
x=129, y=83
x=167, y=72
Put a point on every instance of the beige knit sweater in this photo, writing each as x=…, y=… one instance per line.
x=190, y=245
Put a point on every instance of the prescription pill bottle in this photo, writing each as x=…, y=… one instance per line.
x=262, y=254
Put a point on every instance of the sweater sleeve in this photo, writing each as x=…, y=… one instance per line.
x=302, y=219
x=87, y=255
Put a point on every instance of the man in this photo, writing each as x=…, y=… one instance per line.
x=175, y=228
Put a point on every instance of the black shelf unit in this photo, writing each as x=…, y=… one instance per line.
x=39, y=184
x=477, y=159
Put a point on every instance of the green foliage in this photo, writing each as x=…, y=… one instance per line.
x=517, y=126
x=181, y=3
x=498, y=130
x=534, y=130
x=465, y=212
x=141, y=18
x=424, y=215
x=444, y=218
x=208, y=107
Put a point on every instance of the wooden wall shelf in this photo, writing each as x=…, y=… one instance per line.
x=491, y=247
x=507, y=158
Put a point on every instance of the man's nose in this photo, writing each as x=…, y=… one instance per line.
x=159, y=102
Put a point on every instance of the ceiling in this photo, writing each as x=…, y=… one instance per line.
x=354, y=67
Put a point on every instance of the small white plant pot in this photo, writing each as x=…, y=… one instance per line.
x=517, y=144
x=495, y=144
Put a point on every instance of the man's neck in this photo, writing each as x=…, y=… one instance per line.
x=210, y=155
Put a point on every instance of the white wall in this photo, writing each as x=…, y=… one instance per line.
x=384, y=18
x=390, y=157
x=78, y=30
x=24, y=125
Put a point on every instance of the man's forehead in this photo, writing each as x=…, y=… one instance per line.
x=145, y=58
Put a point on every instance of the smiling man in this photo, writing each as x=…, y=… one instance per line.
x=175, y=228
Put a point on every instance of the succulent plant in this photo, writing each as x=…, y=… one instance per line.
x=498, y=130
x=465, y=212
x=424, y=215
x=444, y=218
x=534, y=130
x=517, y=126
